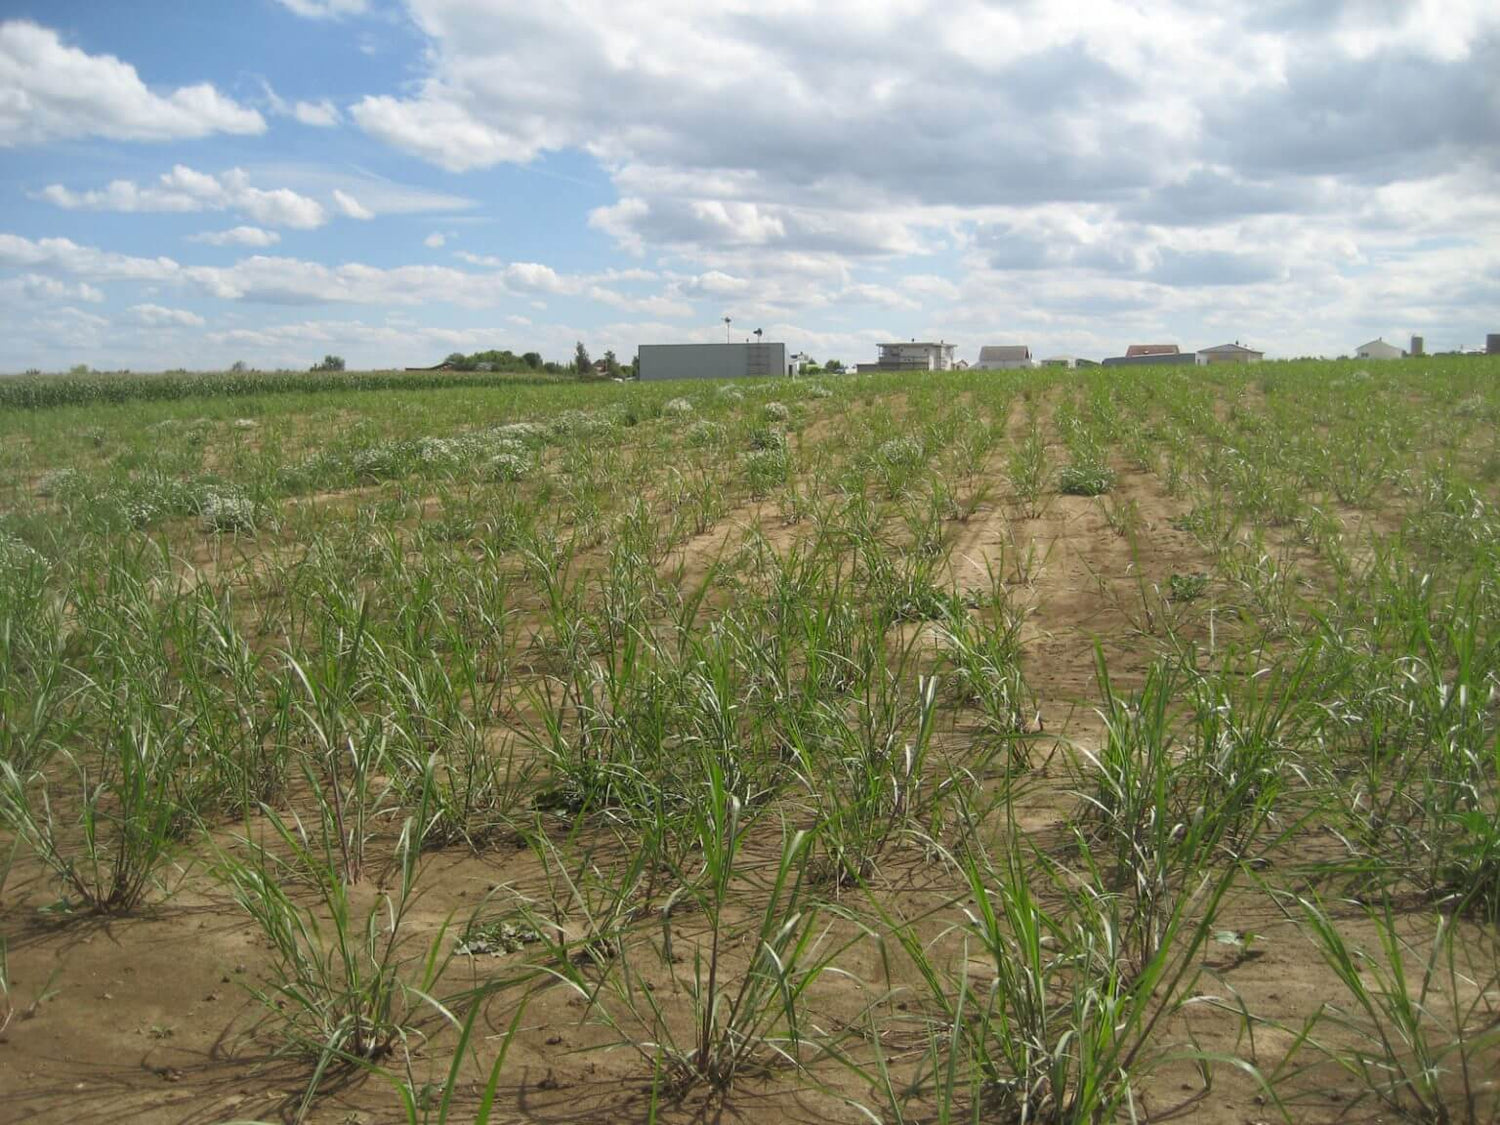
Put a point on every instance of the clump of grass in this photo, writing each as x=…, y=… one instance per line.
x=1186, y=587
x=704, y=434
x=129, y=819
x=1084, y=479
x=765, y=469
x=227, y=512
x=1029, y=472
x=677, y=407
x=1419, y=1034
x=344, y=988
x=767, y=438
x=508, y=467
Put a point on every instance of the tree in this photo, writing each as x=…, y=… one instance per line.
x=581, y=362
x=330, y=363
x=238, y=367
x=532, y=360
x=833, y=365
x=611, y=365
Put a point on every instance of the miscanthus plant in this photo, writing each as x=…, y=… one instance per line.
x=348, y=983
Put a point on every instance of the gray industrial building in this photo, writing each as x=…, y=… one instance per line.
x=710, y=361
x=1151, y=359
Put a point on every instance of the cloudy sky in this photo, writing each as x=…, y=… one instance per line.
x=190, y=184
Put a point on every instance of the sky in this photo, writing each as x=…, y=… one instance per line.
x=189, y=184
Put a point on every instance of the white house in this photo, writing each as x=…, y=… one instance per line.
x=1229, y=353
x=912, y=355
x=1004, y=357
x=1378, y=349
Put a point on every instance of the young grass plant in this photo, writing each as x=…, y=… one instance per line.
x=345, y=987
x=1416, y=1031
x=129, y=819
x=740, y=1021
x=1067, y=1025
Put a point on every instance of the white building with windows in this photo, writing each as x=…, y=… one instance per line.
x=913, y=355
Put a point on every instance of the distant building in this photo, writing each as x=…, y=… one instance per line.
x=1151, y=355
x=1492, y=344
x=1068, y=361
x=711, y=361
x=1418, y=346
x=1378, y=349
x=961, y=365
x=1229, y=353
x=913, y=355
x=799, y=362
x=1004, y=357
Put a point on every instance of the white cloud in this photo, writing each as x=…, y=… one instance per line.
x=325, y=9
x=1164, y=150
x=435, y=241
x=440, y=131
x=49, y=90
x=320, y=115
x=238, y=236
x=61, y=255
x=351, y=207
x=156, y=316
x=279, y=280
x=38, y=287
x=381, y=195
x=184, y=189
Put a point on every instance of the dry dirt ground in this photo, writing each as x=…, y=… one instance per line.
x=147, y=1018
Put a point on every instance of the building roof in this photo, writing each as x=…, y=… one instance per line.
x=1151, y=349
x=996, y=353
x=1228, y=349
x=916, y=344
x=1377, y=343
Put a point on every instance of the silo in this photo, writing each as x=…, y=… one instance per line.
x=1492, y=344
x=1416, y=346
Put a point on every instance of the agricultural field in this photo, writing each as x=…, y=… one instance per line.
x=1024, y=747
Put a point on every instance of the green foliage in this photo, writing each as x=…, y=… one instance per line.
x=34, y=392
